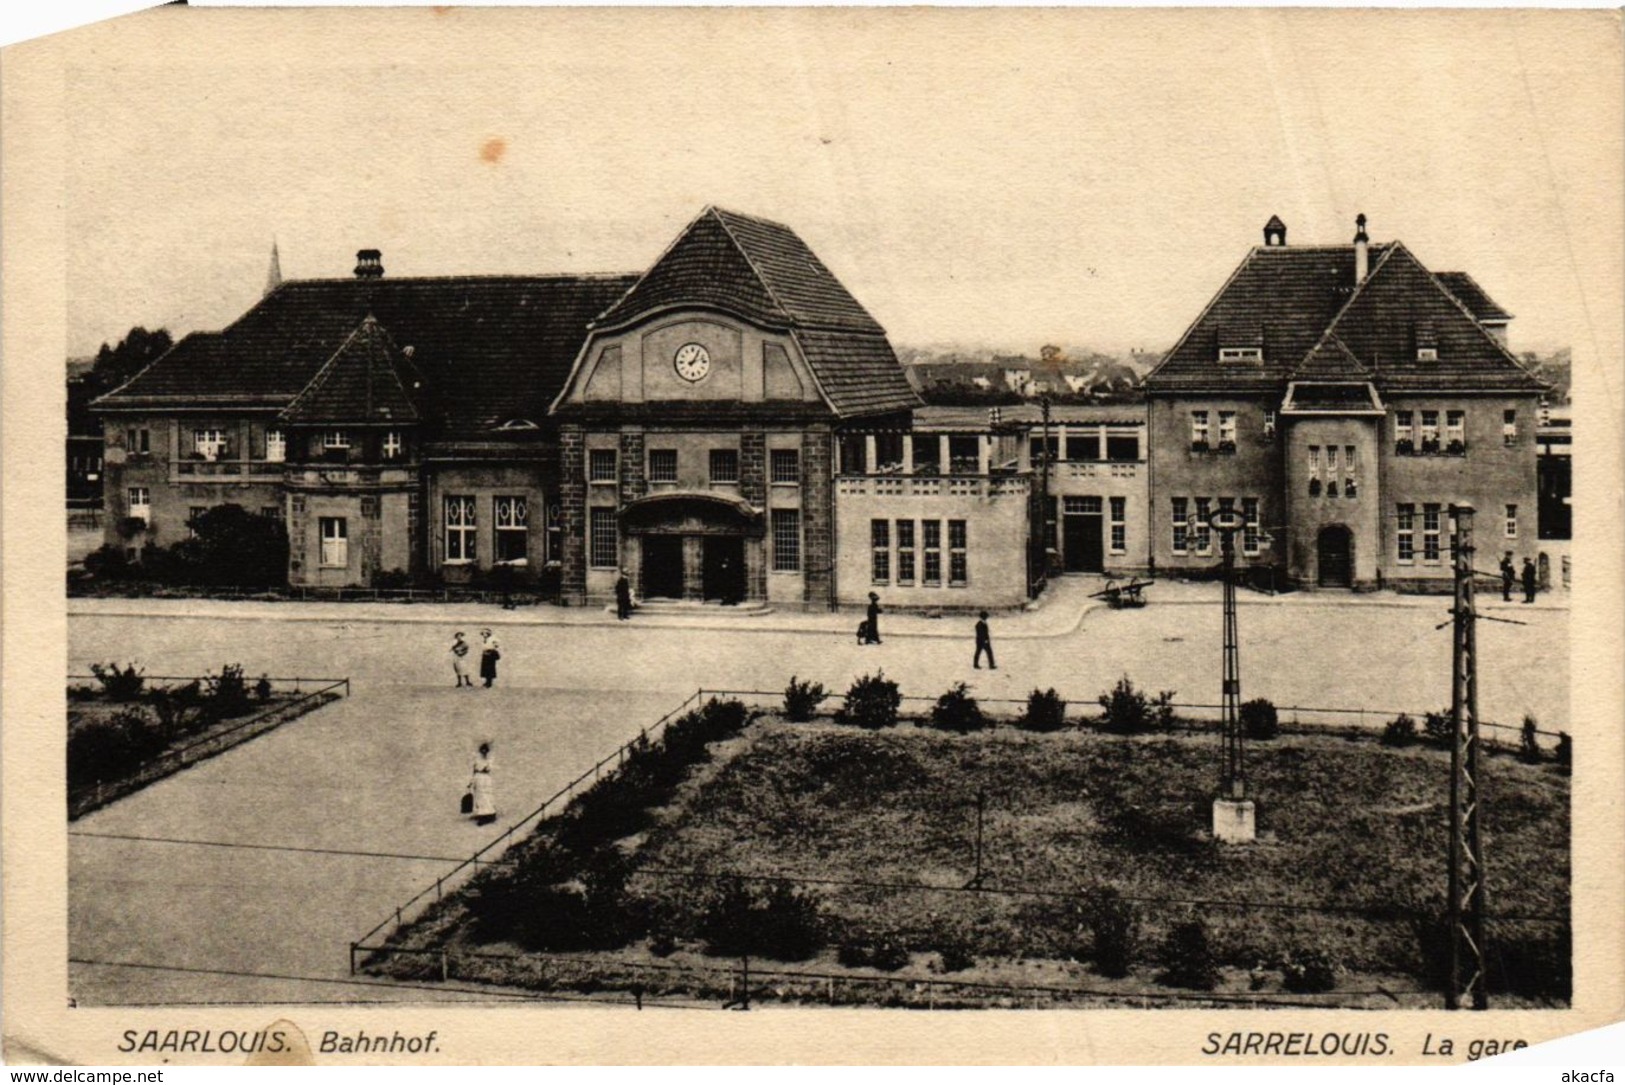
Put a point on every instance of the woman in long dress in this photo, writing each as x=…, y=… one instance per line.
x=482, y=787
x=489, y=654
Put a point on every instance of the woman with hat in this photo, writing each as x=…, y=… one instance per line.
x=874, y=619
x=482, y=787
x=489, y=654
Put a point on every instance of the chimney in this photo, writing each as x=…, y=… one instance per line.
x=1274, y=233
x=369, y=264
x=1362, y=256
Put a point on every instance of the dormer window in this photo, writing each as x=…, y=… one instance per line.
x=1241, y=355
x=334, y=439
x=1427, y=344
x=392, y=445
x=518, y=423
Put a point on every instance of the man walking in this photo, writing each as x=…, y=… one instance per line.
x=984, y=643
x=1508, y=576
x=623, y=597
x=1529, y=580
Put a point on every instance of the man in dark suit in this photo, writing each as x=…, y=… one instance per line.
x=873, y=632
x=623, y=597
x=984, y=643
x=1509, y=575
x=1529, y=580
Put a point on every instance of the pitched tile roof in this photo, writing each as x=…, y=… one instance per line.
x=1467, y=291
x=1316, y=323
x=366, y=380
x=489, y=348
x=761, y=271
x=749, y=266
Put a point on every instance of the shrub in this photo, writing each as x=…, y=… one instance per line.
x=231, y=546
x=1259, y=721
x=392, y=580
x=1308, y=971
x=954, y=957
x=662, y=944
x=1128, y=711
x=1187, y=958
x=886, y=954
x=1439, y=728
x=1528, y=741
x=1046, y=711
x=956, y=710
x=801, y=700
x=119, y=685
x=181, y=711
x=108, y=562
x=262, y=689
x=228, y=692
x=1115, y=926
x=871, y=701
x=113, y=748
x=1399, y=731
x=780, y=922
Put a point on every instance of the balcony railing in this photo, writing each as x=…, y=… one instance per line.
x=949, y=485
x=1098, y=469
x=205, y=470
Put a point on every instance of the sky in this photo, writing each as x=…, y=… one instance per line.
x=997, y=178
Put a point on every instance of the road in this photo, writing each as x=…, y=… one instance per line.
x=382, y=771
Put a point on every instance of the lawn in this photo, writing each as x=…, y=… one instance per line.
x=876, y=833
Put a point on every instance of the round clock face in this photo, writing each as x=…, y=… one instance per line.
x=693, y=362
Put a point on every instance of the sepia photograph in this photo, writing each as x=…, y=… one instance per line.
x=643, y=511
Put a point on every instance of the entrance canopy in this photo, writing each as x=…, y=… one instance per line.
x=691, y=512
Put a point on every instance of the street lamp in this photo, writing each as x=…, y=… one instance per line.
x=1234, y=814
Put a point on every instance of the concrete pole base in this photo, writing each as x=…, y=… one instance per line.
x=1234, y=821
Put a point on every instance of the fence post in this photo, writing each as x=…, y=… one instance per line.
x=352, y=958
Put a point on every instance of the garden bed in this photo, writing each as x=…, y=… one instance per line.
x=124, y=733
x=835, y=864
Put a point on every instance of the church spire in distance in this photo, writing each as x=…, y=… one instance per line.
x=273, y=278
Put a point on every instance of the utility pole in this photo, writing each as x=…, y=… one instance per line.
x=1234, y=814
x=1466, y=883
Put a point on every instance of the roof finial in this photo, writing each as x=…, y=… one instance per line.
x=1359, y=228
x=1275, y=233
x=273, y=278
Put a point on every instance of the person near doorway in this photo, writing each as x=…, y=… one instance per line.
x=482, y=787
x=623, y=597
x=1529, y=580
x=984, y=643
x=1508, y=576
x=871, y=634
x=490, y=652
x=459, y=660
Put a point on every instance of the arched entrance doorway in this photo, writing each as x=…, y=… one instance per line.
x=693, y=546
x=1335, y=554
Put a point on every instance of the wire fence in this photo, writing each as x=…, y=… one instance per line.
x=308, y=694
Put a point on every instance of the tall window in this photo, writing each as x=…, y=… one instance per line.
x=1331, y=470
x=1512, y=522
x=1199, y=527
x=1405, y=532
x=392, y=445
x=1350, y=471
x=138, y=442
x=1404, y=432
x=1314, y=470
x=905, y=551
x=276, y=445
x=1269, y=424
x=335, y=542
x=141, y=503
x=964, y=454
x=1199, y=429
x=1123, y=447
x=209, y=443
x=854, y=458
x=1181, y=525
x=603, y=544
x=888, y=453
x=880, y=551
x=662, y=465
x=786, y=540
x=784, y=466
x=512, y=521
x=1037, y=446
x=272, y=512
x=958, y=567
x=1083, y=444
x=724, y=465
x=1249, y=533
x=1227, y=429
x=600, y=465
x=192, y=514
x=1455, y=430
x=335, y=439
x=1119, y=524
x=1509, y=427
x=926, y=453
x=1430, y=533
x=932, y=532
x=460, y=528
x=1430, y=431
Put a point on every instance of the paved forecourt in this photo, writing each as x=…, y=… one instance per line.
x=382, y=771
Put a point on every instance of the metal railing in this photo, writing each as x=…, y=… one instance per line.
x=213, y=741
